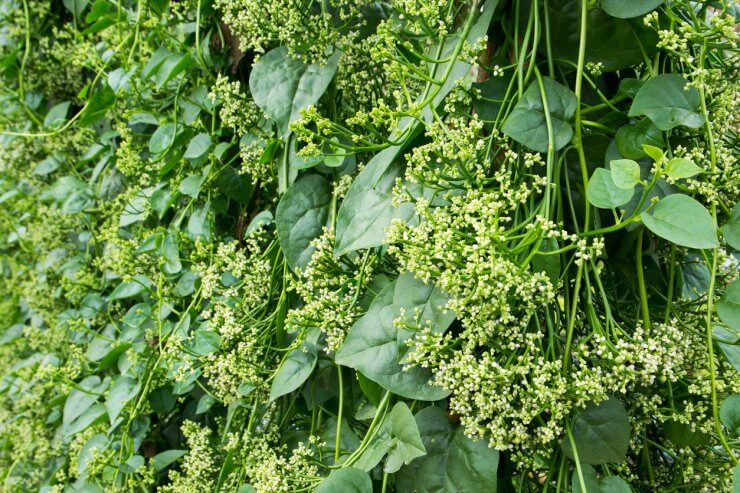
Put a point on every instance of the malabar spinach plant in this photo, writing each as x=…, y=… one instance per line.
x=433, y=246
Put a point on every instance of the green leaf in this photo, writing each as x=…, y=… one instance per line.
x=729, y=343
x=128, y=289
x=300, y=216
x=346, y=480
x=625, y=173
x=731, y=229
x=56, y=116
x=206, y=342
x=164, y=459
x=682, y=220
x=76, y=7
x=123, y=390
x=728, y=307
x=171, y=66
x=376, y=347
x=603, y=193
x=407, y=444
x=296, y=367
x=198, y=146
x=679, y=167
x=367, y=210
x=163, y=138
x=601, y=433
x=281, y=86
x=527, y=125
x=632, y=139
x=655, y=153
x=80, y=399
x=625, y=9
x=453, y=463
x=729, y=413
x=611, y=484
x=668, y=102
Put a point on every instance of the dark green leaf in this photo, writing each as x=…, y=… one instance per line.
x=282, y=86
x=601, y=433
x=123, y=390
x=376, y=347
x=296, y=367
x=611, y=484
x=729, y=413
x=367, y=210
x=629, y=8
x=728, y=307
x=454, y=463
x=300, y=217
x=164, y=459
x=527, y=125
x=198, y=146
x=667, y=101
x=631, y=139
x=731, y=229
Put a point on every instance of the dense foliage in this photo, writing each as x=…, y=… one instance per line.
x=354, y=245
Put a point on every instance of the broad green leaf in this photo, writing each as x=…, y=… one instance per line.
x=123, y=390
x=127, y=289
x=198, y=146
x=611, y=484
x=300, y=217
x=731, y=229
x=206, y=342
x=625, y=173
x=632, y=139
x=205, y=402
x=729, y=413
x=729, y=343
x=171, y=66
x=56, y=116
x=296, y=367
x=407, y=444
x=376, y=347
x=164, y=459
x=76, y=7
x=667, y=101
x=625, y=9
x=682, y=220
x=163, y=138
x=601, y=433
x=527, y=125
x=453, y=463
x=549, y=264
x=603, y=193
x=81, y=398
x=615, y=43
x=728, y=307
x=679, y=167
x=170, y=251
x=367, y=210
x=346, y=480
x=96, y=445
x=281, y=85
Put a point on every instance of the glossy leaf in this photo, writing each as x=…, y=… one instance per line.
x=602, y=192
x=300, y=216
x=346, y=480
x=625, y=9
x=601, y=433
x=282, y=86
x=667, y=101
x=611, y=484
x=678, y=168
x=728, y=307
x=453, y=463
x=625, y=173
x=682, y=220
x=376, y=347
x=527, y=124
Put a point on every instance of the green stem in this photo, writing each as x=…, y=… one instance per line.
x=641, y=283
